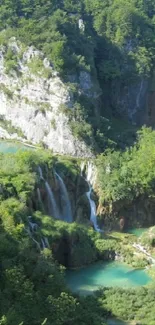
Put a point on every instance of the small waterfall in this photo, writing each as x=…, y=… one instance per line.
x=46, y=242
x=139, y=94
x=90, y=180
x=40, y=173
x=93, y=217
x=91, y=173
x=33, y=225
x=39, y=196
x=53, y=211
x=82, y=167
x=67, y=212
x=43, y=243
x=31, y=230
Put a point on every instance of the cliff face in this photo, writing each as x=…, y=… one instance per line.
x=34, y=100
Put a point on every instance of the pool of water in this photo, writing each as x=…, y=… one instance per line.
x=110, y=274
x=112, y=321
x=12, y=147
x=137, y=231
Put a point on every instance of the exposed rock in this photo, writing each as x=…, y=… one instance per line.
x=35, y=104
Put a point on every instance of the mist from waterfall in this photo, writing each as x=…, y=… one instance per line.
x=66, y=208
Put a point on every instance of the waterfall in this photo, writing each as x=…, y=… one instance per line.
x=53, y=211
x=33, y=225
x=32, y=228
x=90, y=180
x=82, y=167
x=39, y=195
x=43, y=243
x=40, y=173
x=139, y=94
x=93, y=217
x=67, y=212
x=46, y=242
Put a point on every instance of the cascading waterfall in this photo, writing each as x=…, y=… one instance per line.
x=67, y=212
x=32, y=227
x=40, y=173
x=39, y=195
x=31, y=231
x=53, y=210
x=93, y=217
x=139, y=93
x=90, y=180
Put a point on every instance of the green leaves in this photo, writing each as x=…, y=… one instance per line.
x=130, y=174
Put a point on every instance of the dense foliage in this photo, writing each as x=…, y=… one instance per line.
x=32, y=286
x=130, y=174
x=127, y=27
x=113, y=40
x=130, y=304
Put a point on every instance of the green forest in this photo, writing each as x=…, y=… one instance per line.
x=33, y=289
x=113, y=40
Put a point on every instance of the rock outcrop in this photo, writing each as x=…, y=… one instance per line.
x=34, y=100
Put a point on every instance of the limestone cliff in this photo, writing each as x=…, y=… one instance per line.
x=34, y=100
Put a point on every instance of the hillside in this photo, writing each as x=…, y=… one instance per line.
x=77, y=72
x=77, y=86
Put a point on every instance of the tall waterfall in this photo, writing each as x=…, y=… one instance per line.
x=67, y=212
x=53, y=210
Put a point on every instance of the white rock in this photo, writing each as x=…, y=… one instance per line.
x=34, y=103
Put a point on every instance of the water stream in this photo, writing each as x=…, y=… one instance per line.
x=66, y=208
x=93, y=217
x=53, y=210
x=90, y=180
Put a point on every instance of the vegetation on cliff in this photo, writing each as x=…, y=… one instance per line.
x=113, y=41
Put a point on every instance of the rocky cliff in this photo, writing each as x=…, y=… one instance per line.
x=35, y=102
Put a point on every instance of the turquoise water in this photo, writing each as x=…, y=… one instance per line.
x=12, y=147
x=110, y=274
x=137, y=231
x=115, y=322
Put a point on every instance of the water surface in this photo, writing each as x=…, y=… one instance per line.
x=12, y=147
x=112, y=321
x=137, y=231
x=110, y=274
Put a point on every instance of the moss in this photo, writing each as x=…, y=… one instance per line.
x=53, y=124
x=7, y=125
x=6, y=91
